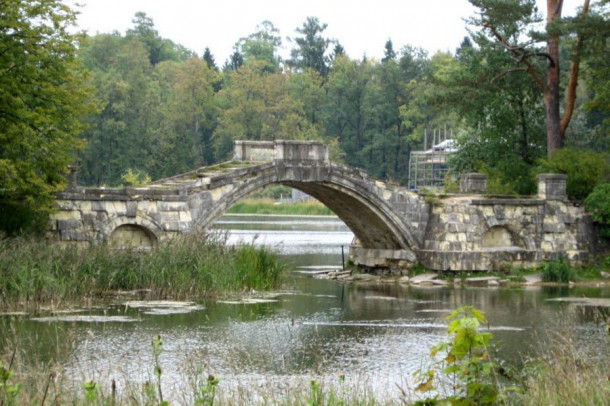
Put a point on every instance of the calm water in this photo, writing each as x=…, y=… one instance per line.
x=375, y=335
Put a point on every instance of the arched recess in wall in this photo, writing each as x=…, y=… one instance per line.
x=131, y=232
x=132, y=236
x=498, y=236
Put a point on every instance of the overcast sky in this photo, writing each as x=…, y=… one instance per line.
x=361, y=26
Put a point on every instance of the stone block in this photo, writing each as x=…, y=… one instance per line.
x=98, y=206
x=171, y=206
x=499, y=211
x=473, y=183
x=552, y=186
x=75, y=235
x=553, y=227
x=176, y=226
x=132, y=208
x=69, y=224
x=66, y=215
x=185, y=216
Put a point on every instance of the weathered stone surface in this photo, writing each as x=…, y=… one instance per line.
x=482, y=280
x=423, y=278
x=532, y=279
x=552, y=186
x=394, y=226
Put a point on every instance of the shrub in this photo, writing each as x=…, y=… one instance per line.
x=558, y=271
x=598, y=204
x=585, y=170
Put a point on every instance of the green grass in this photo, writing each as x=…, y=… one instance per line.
x=35, y=271
x=268, y=206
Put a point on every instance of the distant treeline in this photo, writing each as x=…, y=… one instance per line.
x=164, y=110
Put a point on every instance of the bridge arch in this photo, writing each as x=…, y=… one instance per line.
x=355, y=202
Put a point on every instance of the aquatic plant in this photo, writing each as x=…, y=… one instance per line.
x=36, y=272
x=8, y=389
x=557, y=271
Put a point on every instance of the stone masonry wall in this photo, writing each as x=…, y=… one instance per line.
x=469, y=233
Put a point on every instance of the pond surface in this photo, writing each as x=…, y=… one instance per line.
x=370, y=334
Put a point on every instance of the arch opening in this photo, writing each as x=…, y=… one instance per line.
x=369, y=227
x=355, y=200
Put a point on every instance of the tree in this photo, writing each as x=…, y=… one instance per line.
x=188, y=119
x=311, y=47
x=122, y=135
x=44, y=94
x=257, y=105
x=507, y=22
x=159, y=49
x=234, y=62
x=389, y=52
x=503, y=119
x=262, y=45
x=209, y=59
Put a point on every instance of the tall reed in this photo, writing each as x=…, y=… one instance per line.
x=34, y=271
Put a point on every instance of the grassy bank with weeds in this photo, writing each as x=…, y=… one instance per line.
x=269, y=206
x=35, y=271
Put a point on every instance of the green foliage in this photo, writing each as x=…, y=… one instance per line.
x=509, y=176
x=267, y=206
x=194, y=266
x=465, y=359
x=311, y=47
x=45, y=94
x=206, y=393
x=135, y=178
x=585, y=170
x=598, y=204
x=564, y=375
x=558, y=271
x=275, y=192
x=8, y=390
x=91, y=389
x=261, y=47
x=165, y=112
x=157, y=344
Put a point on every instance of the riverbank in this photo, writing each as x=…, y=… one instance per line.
x=38, y=273
x=270, y=206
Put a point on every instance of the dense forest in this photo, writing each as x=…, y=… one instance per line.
x=143, y=107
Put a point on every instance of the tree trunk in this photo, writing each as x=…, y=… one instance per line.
x=555, y=137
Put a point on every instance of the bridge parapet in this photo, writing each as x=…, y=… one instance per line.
x=288, y=151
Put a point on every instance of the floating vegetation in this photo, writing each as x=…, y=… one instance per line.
x=583, y=301
x=87, y=319
x=163, y=307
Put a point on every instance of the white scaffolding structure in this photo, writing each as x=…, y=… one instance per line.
x=428, y=168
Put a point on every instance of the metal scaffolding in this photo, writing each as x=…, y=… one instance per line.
x=429, y=167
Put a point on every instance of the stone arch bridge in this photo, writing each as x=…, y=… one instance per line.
x=393, y=226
